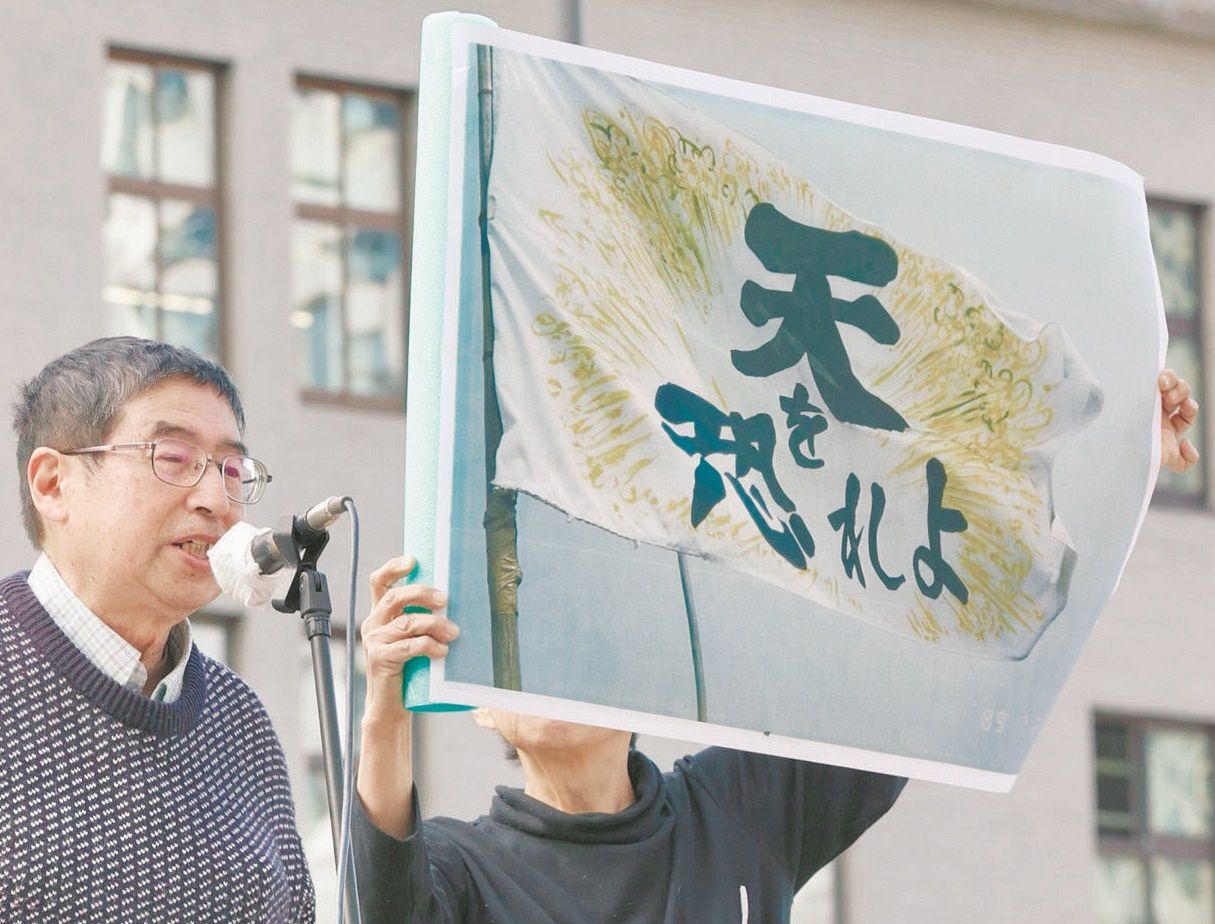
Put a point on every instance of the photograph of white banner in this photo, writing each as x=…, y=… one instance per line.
x=805, y=428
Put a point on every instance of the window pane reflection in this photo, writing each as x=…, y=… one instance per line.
x=316, y=273
x=185, y=124
x=1175, y=242
x=1115, y=779
x=373, y=143
x=373, y=313
x=1113, y=741
x=126, y=125
x=1121, y=891
x=129, y=241
x=162, y=274
x=1183, y=892
x=189, y=277
x=1179, y=780
x=315, y=147
x=348, y=302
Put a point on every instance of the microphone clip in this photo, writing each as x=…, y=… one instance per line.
x=300, y=545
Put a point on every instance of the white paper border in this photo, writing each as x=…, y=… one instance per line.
x=727, y=736
x=1038, y=152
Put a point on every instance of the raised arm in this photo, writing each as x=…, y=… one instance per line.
x=390, y=638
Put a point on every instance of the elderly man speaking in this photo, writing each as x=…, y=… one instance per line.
x=140, y=780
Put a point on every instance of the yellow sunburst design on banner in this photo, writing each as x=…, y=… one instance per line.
x=658, y=210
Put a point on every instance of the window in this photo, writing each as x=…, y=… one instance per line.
x=348, y=180
x=159, y=145
x=1177, y=242
x=1156, y=841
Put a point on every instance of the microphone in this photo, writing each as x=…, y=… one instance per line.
x=255, y=565
x=325, y=514
x=273, y=550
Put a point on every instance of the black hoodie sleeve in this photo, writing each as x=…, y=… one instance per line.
x=395, y=879
x=806, y=814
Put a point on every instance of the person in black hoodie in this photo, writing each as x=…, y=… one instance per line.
x=598, y=833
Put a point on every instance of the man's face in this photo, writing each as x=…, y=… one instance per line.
x=131, y=546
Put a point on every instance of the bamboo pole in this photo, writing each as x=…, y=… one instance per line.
x=501, y=532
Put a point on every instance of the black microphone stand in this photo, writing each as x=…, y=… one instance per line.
x=302, y=545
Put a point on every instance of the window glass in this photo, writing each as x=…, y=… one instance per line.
x=126, y=127
x=1113, y=742
x=1121, y=890
x=1154, y=827
x=373, y=143
x=129, y=238
x=1114, y=803
x=348, y=261
x=373, y=313
x=1179, y=782
x=189, y=276
x=185, y=124
x=1115, y=780
x=316, y=146
x=1182, y=892
x=161, y=234
x=316, y=258
x=1175, y=243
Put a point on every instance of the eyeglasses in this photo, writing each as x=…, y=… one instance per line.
x=183, y=464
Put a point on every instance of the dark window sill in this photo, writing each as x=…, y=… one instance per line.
x=392, y=404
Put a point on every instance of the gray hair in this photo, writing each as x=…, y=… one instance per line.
x=74, y=401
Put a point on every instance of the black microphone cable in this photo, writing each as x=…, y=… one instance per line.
x=346, y=866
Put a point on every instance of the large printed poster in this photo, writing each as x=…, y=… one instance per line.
x=777, y=422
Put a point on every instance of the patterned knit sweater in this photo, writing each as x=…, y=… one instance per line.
x=116, y=808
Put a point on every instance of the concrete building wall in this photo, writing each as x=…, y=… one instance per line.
x=1131, y=89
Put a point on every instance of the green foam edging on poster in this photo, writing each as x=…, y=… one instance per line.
x=427, y=300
